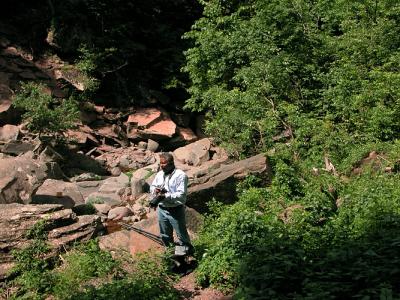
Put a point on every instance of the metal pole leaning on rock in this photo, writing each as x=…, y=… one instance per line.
x=145, y=233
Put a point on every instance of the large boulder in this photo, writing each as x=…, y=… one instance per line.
x=150, y=123
x=9, y=133
x=220, y=183
x=134, y=242
x=84, y=163
x=58, y=192
x=195, y=153
x=144, y=118
x=127, y=158
x=21, y=176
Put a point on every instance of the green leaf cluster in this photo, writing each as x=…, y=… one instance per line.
x=44, y=114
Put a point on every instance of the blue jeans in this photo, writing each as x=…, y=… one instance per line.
x=170, y=219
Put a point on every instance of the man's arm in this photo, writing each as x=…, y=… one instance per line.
x=157, y=182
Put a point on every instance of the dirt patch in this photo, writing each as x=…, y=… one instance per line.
x=190, y=291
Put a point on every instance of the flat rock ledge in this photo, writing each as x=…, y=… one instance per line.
x=65, y=228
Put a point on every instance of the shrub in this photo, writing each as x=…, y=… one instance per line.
x=81, y=264
x=32, y=278
x=148, y=279
x=321, y=251
x=43, y=113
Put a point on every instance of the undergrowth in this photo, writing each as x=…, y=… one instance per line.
x=312, y=234
x=85, y=272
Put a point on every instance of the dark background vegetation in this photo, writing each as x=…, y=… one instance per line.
x=134, y=48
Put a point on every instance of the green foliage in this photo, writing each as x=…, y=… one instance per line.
x=314, y=84
x=95, y=200
x=148, y=280
x=43, y=113
x=261, y=68
x=224, y=239
x=38, y=231
x=87, y=272
x=80, y=265
x=31, y=271
x=264, y=245
x=248, y=182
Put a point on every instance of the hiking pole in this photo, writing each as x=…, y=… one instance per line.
x=149, y=235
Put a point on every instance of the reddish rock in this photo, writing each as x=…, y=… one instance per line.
x=117, y=213
x=10, y=52
x=99, y=109
x=161, y=129
x=86, y=129
x=187, y=134
x=194, y=154
x=9, y=133
x=81, y=136
x=110, y=131
x=164, y=128
x=133, y=133
x=4, y=104
x=144, y=118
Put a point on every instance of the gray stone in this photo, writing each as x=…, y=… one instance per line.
x=142, y=145
x=21, y=176
x=87, y=177
x=152, y=145
x=116, y=171
x=100, y=198
x=17, y=147
x=119, y=213
x=194, y=154
x=58, y=192
x=102, y=208
x=220, y=183
x=137, y=187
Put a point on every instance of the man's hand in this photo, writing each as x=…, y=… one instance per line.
x=160, y=191
x=155, y=200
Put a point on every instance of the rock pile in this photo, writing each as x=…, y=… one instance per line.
x=104, y=170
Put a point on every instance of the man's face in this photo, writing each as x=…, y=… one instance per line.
x=166, y=166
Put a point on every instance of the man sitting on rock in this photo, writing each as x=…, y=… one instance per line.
x=169, y=190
